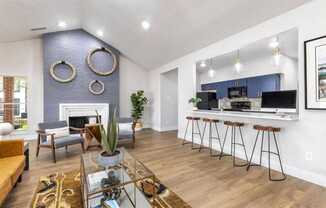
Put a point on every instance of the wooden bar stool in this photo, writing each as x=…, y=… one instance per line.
x=269, y=130
x=211, y=122
x=193, y=120
x=234, y=126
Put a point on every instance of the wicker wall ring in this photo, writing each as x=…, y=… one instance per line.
x=92, y=90
x=70, y=67
x=92, y=67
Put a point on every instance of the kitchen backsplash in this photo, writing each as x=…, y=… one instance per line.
x=225, y=103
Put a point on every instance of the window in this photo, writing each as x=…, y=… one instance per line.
x=13, y=106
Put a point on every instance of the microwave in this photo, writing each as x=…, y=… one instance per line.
x=237, y=92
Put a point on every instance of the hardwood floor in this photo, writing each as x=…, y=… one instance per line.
x=201, y=180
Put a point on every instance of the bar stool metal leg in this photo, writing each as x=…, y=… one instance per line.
x=222, y=149
x=279, y=158
x=184, y=137
x=261, y=147
x=199, y=133
x=202, y=137
x=253, y=151
x=240, y=144
x=216, y=138
x=243, y=144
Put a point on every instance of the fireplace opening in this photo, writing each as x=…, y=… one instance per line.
x=81, y=121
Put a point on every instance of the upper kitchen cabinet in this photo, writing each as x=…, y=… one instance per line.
x=255, y=85
x=266, y=83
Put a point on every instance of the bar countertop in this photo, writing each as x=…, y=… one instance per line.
x=245, y=115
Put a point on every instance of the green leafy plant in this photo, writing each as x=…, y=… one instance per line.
x=194, y=101
x=138, y=100
x=109, y=138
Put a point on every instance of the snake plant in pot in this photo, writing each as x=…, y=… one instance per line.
x=110, y=155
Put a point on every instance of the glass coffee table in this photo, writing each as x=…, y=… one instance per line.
x=118, y=186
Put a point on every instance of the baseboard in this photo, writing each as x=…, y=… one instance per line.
x=169, y=128
x=306, y=175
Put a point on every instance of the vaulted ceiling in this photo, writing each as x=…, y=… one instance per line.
x=177, y=26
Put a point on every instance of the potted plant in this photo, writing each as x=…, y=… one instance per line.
x=194, y=101
x=138, y=100
x=110, y=156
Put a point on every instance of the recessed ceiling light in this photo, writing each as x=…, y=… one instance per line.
x=100, y=33
x=203, y=64
x=274, y=43
x=62, y=24
x=146, y=25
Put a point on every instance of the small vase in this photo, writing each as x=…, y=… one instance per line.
x=108, y=160
x=194, y=108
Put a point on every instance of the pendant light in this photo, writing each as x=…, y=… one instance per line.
x=274, y=43
x=211, y=71
x=277, y=56
x=238, y=64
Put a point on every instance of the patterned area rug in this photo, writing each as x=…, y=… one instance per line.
x=62, y=190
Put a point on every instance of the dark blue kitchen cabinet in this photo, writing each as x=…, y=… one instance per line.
x=255, y=85
x=221, y=89
x=266, y=83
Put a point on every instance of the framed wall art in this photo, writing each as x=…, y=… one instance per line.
x=315, y=73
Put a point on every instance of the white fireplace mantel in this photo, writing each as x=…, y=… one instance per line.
x=67, y=110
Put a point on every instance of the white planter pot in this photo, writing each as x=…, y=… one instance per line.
x=109, y=161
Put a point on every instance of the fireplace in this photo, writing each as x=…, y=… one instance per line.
x=81, y=121
x=78, y=114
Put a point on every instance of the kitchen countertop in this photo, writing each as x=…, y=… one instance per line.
x=246, y=115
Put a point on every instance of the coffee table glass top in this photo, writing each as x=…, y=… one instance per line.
x=129, y=170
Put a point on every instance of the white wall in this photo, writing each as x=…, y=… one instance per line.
x=260, y=66
x=24, y=58
x=297, y=138
x=132, y=78
x=169, y=100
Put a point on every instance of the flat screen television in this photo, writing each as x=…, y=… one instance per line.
x=284, y=101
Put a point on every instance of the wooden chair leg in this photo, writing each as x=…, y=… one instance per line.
x=37, y=150
x=53, y=153
x=20, y=179
x=38, y=145
x=82, y=146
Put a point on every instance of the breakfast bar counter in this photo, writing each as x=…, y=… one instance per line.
x=235, y=115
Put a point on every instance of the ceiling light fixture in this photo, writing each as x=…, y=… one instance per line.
x=277, y=56
x=274, y=43
x=203, y=64
x=100, y=33
x=146, y=25
x=211, y=71
x=238, y=64
x=62, y=24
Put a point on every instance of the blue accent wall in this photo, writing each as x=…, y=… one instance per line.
x=73, y=46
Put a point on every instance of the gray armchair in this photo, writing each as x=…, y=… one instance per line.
x=126, y=131
x=55, y=143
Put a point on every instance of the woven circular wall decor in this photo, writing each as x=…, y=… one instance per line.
x=92, y=67
x=96, y=92
x=70, y=67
